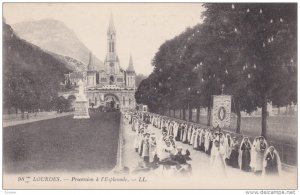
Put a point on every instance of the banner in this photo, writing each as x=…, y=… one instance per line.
x=221, y=111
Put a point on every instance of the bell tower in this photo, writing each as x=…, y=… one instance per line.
x=91, y=73
x=111, y=61
x=130, y=74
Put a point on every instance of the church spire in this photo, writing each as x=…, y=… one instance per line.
x=111, y=28
x=130, y=66
x=90, y=64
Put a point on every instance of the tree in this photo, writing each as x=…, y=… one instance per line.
x=249, y=50
x=264, y=36
x=31, y=77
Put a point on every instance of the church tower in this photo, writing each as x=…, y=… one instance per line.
x=112, y=64
x=91, y=72
x=130, y=74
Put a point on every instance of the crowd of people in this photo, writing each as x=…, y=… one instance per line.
x=156, y=151
x=223, y=149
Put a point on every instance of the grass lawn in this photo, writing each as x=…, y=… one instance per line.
x=62, y=144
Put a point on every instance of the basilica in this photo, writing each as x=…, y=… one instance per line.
x=111, y=86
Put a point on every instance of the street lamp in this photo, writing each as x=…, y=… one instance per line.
x=189, y=102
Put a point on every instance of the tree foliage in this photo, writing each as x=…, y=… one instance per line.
x=31, y=76
x=249, y=50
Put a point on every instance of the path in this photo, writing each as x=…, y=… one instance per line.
x=11, y=121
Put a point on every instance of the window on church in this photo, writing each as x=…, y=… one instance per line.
x=123, y=101
x=97, y=78
x=129, y=101
x=113, y=47
x=111, y=80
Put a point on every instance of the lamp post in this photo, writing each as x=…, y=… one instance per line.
x=189, y=102
x=198, y=107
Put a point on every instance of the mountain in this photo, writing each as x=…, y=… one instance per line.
x=54, y=36
x=31, y=76
x=71, y=63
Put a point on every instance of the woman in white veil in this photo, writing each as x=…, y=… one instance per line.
x=185, y=132
x=217, y=162
x=193, y=135
x=245, y=155
x=227, y=145
x=271, y=163
x=260, y=148
x=206, y=142
x=189, y=134
x=195, y=144
x=254, y=152
x=200, y=139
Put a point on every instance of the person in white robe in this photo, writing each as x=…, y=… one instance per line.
x=217, y=163
x=193, y=136
x=260, y=148
x=137, y=140
x=227, y=145
x=189, y=134
x=175, y=128
x=206, y=142
x=166, y=150
x=254, y=153
x=161, y=144
x=196, y=140
x=153, y=147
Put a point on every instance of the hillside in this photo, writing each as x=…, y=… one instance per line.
x=31, y=76
x=54, y=36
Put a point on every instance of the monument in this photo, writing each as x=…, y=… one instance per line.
x=81, y=103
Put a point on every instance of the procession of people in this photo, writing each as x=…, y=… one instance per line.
x=223, y=149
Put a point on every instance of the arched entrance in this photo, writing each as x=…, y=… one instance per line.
x=111, y=101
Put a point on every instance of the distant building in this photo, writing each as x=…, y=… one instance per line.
x=74, y=77
x=111, y=86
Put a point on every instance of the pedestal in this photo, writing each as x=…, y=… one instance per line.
x=81, y=110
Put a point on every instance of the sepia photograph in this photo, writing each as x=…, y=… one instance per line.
x=150, y=96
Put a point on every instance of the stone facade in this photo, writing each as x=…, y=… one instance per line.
x=112, y=86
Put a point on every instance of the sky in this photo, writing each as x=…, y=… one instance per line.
x=141, y=27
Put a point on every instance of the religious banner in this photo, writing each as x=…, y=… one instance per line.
x=221, y=111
